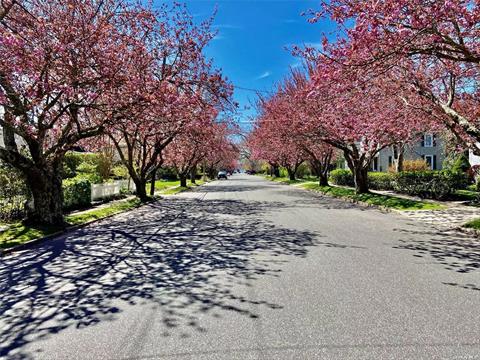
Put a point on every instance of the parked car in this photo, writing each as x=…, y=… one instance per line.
x=222, y=175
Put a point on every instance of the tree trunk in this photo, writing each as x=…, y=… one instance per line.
x=291, y=174
x=399, y=161
x=323, y=178
x=360, y=175
x=183, y=181
x=152, y=182
x=276, y=171
x=141, y=188
x=46, y=205
x=193, y=175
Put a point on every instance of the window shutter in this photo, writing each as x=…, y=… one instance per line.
x=434, y=162
x=422, y=141
x=434, y=140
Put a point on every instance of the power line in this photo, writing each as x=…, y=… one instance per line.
x=253, y=90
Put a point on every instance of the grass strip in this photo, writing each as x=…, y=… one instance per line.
x=387, y=201
x=19, y=233
x=286, y=180
x=473, y=224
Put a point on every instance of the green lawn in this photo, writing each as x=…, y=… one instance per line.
x=19, y=233
x=95, y=214
x=392, y=202
x=466, y=195
x=169, y=187
x=474, y=224
x=286, y=180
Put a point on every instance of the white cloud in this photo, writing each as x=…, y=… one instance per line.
x=264, y=75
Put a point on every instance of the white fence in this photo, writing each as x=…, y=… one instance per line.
x=474, y=159
x=106, y=190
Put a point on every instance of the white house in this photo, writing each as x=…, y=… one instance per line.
x=428, y=147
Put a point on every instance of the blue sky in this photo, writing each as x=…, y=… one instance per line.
x=252, y=38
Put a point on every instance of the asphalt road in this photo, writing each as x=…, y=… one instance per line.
x=245, y=269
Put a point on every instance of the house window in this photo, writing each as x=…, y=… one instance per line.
x=428, y=140
x=430, y=161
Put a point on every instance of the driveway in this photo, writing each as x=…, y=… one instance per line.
x=245, y=269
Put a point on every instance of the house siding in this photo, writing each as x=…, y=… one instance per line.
x=414, y=151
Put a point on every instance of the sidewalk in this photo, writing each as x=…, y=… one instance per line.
x=455, y=215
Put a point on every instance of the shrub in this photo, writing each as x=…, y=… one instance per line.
x=71, y=162
x=13, y=193
x=381, y=180
x=120, y=172
x=428, y=184
x=302, y=171
x=415, y=165
x=283, y=172
x=86, y=168
x=167, y=173
x=461, y=164
x=77, y=193
x=105, y=162
x=342, y=177
x=265, y=168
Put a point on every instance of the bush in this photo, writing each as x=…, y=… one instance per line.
x=70, y=164
x=167, y=173
x=428, y=184
x=381, y=180
x=342, y=177
x=13, y=193
x=415, y=165
x=283, y=172
x=105, y=161
x=77, y=193
x=302, y=171
x=120, y=172
x=461, y=164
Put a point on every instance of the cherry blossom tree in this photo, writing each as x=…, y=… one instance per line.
x=432, y=45
x=358, y=115
x=170, y=89
x=208, y=144
x=60, y=61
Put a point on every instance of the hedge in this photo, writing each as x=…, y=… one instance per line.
x=425, y=184
x=77, y=193
x=342, y=177
x=429, y=184
x=381, y=180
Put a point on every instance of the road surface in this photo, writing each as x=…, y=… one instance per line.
x=245, y=269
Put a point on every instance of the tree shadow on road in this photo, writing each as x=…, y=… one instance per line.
x=455, y=250
x=184, y=255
